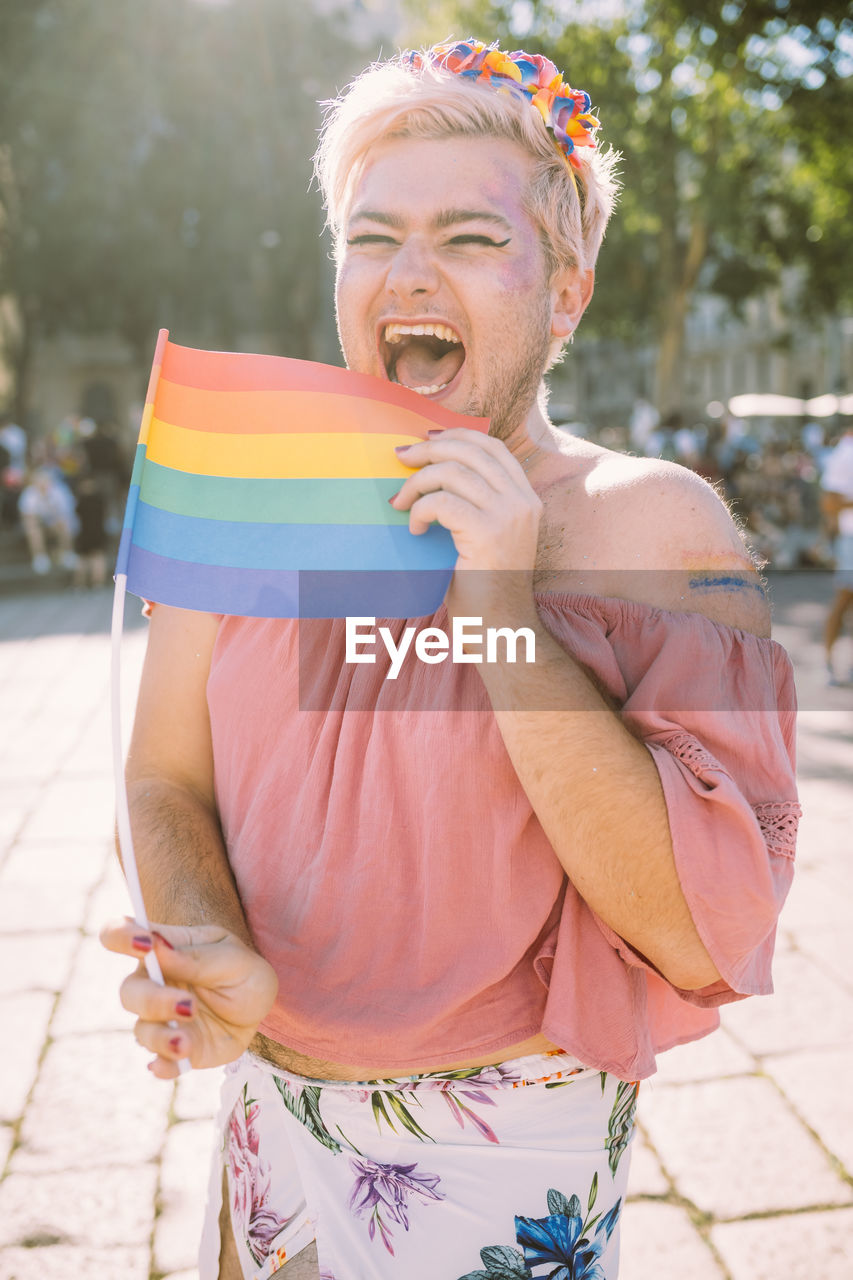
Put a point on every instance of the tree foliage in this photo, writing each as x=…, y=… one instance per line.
x=730, y=116
x=155, y=163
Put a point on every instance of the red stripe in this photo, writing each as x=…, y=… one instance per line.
x=240, y=371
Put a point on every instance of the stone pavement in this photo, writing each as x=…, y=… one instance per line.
x=744, y=1165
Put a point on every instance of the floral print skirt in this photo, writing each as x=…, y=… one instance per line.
x=494, y=1173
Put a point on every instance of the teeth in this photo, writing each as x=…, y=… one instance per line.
x=395, y=332
x=422, y=391
x=429, y=391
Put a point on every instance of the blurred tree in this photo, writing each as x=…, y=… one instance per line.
x=155, y=161
x=729, y=115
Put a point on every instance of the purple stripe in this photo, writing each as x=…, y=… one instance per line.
x=286, y=593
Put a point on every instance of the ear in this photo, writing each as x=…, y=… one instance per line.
x=571, y=291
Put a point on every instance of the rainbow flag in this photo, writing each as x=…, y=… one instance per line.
x=260, y=487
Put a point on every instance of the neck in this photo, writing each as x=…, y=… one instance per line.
x=533, y=434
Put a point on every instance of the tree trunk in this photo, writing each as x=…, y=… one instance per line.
x=20, y=348
x=669, y=386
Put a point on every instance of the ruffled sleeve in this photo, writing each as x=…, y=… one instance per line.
x=716, y=709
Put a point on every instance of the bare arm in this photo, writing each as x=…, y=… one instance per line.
x=592, y=784
x=595, y=790
x=182, y=860
x=217, y=987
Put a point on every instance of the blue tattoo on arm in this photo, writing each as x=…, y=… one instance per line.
x=724, y=582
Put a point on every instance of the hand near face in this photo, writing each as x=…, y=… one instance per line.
x=472, y=485
x=217, y=992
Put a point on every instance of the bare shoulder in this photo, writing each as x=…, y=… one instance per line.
x=669, y=522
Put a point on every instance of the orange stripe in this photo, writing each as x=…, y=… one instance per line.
x=276, y=412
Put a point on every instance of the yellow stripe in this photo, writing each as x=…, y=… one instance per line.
x=294, y=455
x=145, y=425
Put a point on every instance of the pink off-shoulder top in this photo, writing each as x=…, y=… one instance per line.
x=394, y=874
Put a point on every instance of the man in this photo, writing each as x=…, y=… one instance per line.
x=482, y=881
x=837, y=507
x=46, y=507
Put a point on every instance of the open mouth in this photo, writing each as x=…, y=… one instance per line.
x=423, y=357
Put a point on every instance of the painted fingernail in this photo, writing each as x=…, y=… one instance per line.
x=392, y=500
x=184, y=1008
x=401, y=448
x=165, y=941
x=175, y=1044
x=142, y=944
x=431, y=435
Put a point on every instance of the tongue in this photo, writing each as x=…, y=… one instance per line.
x=418, y=366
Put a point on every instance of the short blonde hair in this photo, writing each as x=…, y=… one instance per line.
x=405, y=98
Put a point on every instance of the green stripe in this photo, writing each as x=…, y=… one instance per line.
x=139, y=462
x=333, y=501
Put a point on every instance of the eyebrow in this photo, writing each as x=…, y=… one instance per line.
x=445, y=218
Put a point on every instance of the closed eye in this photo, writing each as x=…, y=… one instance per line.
x=475, y=239
x=371, y=237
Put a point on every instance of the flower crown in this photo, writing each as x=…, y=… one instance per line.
x=564, y=110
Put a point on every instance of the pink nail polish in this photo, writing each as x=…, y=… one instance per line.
x=175, y=1044
x=165, y=941
x=431, y=435
x=142, y=944
x=184, y=1008
x=401, y=448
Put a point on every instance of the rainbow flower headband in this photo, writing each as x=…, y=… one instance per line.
x=564, y=110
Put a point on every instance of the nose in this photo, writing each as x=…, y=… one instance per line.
x=412, y=271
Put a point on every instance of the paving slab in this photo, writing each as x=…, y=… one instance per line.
x=713, y=1057
x=808, y=1008
x=659, y=1242
x=94, y=1105
x=734, y=1147
x=110, y=900
x=183, y=1192
x=99, y=1208
x=36, y=746
x=7, y=1136
x=818, y=1086
x=802, y=1246
x=26, y=904
x=831, y=947
x=74, y=808
x=36, y=961
x=16, y=802
x=646, y=1178
x=74, y=1263
x=813, y=903
x=39, y=862
x=24, y=1019
x=197, y=1094
x=90, y=1001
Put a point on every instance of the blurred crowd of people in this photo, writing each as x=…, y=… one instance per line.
x=769, y=471
x=64, y=494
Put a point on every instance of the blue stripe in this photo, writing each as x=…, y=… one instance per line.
x=324, y=547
